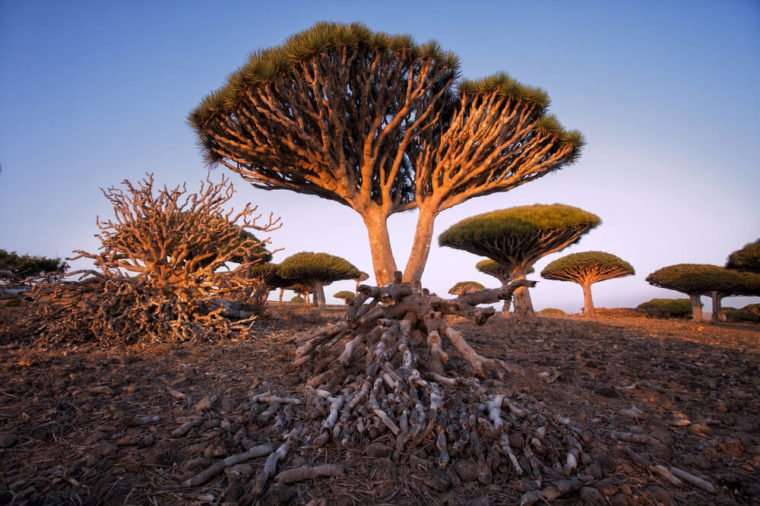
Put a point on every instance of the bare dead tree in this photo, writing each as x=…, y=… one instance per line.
x=169, y=265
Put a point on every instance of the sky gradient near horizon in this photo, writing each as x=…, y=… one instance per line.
x=667, y=97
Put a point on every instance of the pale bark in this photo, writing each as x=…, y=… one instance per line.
x=717, y=309
x=423, y=236
x=319, y=294
x=696, y=307
x=588, y=301
x=282, y=294
x=522, y=302
x=380, y=246
x=505, y=309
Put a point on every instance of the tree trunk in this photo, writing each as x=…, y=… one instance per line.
x=380, y=246
x=319, y=294
x=282, y=294
x=522, y=302
x=696, y=307
x=588, y=301
x=423, y=236
x=717, y=309
x=505, y=309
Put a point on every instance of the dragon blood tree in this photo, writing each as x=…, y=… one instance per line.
x=317, y=270
x=346, y=296
x=382, y=125
x=501, y=272
x=519, y=236
x=696, y=280
x=268, y=273
x=363, y=276
x=746, y=258
x=465, y=287
x=586, y=269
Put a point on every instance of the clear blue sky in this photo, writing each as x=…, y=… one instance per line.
x=666, y=94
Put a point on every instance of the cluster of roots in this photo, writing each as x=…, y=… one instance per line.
x=126, y=310
x=396, y=373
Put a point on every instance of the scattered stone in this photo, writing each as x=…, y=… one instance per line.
x=204, y=404
x=379, y=450
x=592, y=497
x=239, y=472
x=466, y=469
x=437, y=480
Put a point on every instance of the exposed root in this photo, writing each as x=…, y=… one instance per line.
x=218, y=467
x=395, y=368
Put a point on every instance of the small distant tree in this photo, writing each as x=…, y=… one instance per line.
x=666, y=308
x=317, y=270
x=380, y=124
x=500, y=272
x=519, y=236
x=346, y=296
x=586, y=269
x=696, y=280
x=746, y=258
x=363, y=276
x=15, y=267
x=268, y=273
x=465, y=287
x=298, y=299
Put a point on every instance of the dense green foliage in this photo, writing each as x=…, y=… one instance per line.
x=752, y=308
x=464, y=287
x=271, y=63
x=497, y=270
x=520, y=235
x=297, y=299
x=741, y=315
x=346, y=295
x=666, y=308
x=21, y=266
x=702, y=279
x=598, y=265
x=746, y=258
x=270, y=274
x=516, y=222
x=317, y=267
x=551, y=312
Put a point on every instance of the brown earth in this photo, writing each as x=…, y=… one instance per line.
x=85, y=425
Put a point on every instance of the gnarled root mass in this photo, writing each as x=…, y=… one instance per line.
x=395, y=373
x=165, y=269
x=126, y=310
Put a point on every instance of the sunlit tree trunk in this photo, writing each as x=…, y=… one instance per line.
x=522, y=301
x=380, y=246
x=717, y=308
x=319, y=294
x=423, y=237
x=282, y=294
x=588, y=301
x=696, y=307
x=505, y=309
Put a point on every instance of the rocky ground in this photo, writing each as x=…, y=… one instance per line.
x=85, y=425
